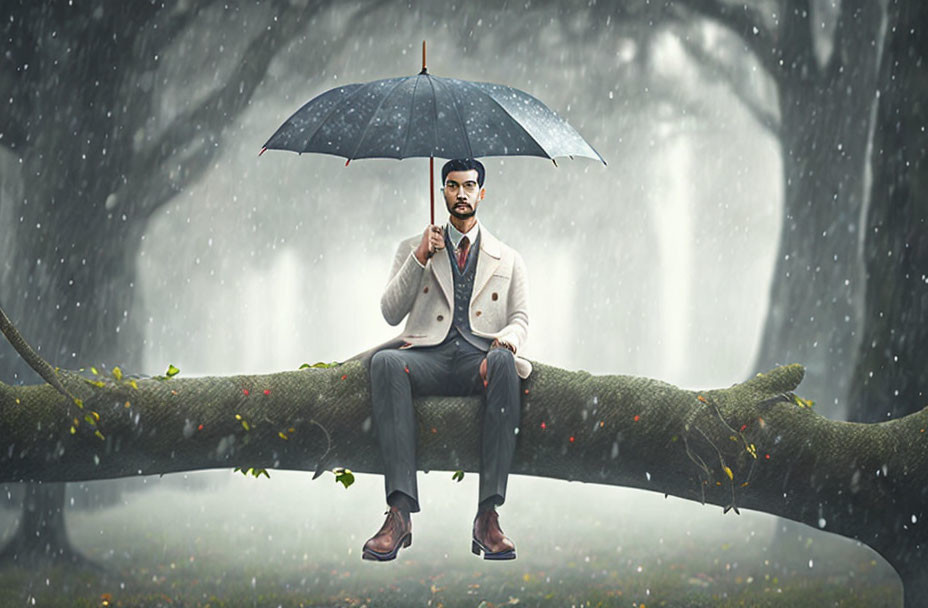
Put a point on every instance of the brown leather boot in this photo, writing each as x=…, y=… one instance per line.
x=394, y=534
x=489, y=537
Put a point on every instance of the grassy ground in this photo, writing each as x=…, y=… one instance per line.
x=293, y=543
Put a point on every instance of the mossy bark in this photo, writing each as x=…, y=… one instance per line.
x=748, y=446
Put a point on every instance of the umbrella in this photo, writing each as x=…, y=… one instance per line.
x=427, y=116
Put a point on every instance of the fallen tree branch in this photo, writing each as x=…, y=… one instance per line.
x=863, y=481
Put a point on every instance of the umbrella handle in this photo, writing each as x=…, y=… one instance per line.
x=432, y=189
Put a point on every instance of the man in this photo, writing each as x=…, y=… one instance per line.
x=464, y=293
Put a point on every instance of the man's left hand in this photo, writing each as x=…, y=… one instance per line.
x=498, y=344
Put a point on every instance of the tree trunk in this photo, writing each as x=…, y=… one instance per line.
x=892, y=368
x=749, y=446
x=41, y=535
x=93, y=169
x=825, y=127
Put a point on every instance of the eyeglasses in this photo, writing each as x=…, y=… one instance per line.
x=469, y=186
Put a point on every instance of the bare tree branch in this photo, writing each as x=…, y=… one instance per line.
x=20, y=49
x=176, y=167
x=797, y=55
x=13, y=119
x=738, y=87
x=155, y=169
x=853, y=14
x=747, y=23
x=175, y=23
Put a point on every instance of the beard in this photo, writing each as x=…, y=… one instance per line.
x=462, y=215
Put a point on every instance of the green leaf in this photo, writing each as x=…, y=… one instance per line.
x=305, y=365
x=458, y=476
x=172, y=371
x=343, y=476
x=251, y=471
x=323, y=365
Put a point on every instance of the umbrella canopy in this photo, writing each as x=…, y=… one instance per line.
x=427, y=116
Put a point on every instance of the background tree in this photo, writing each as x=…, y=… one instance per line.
x=99, y=153
x=891, y=374
x=824, y=85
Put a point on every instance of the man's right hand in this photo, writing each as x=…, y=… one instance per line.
x=432, y=241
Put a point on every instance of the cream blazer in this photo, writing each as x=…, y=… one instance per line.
x=498, y=304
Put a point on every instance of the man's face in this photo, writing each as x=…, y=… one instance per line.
x=462, y=194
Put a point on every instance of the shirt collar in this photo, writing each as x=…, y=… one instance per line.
x=456, y=235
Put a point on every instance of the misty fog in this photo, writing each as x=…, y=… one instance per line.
x=656, y=265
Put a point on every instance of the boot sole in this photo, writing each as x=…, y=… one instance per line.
x=372, y=555
x=477, y=547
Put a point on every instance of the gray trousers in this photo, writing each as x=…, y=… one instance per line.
x=451, y=368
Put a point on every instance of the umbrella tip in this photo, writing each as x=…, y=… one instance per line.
x=347, y=161
x=554, y=161
x=263, y=150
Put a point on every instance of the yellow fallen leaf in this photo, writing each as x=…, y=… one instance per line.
x=728, y=472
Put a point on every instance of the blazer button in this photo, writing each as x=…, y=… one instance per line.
x=478, y=313
x=426, y=290
x=495, y=296
x=440, y=318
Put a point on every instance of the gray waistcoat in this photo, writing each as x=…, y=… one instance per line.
x=463, y=288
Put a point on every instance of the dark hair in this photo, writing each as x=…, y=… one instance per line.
x=464, y=164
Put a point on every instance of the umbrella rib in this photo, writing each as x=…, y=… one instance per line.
x=330, y=112
x=412, y=105
x=380, y=105
x=505, y=111
x=435, y=108
x=454, y=104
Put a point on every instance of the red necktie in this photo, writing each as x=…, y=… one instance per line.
x=463, y=247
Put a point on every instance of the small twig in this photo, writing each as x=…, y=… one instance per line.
x=320, y=466
x=782, y=397
x=700, y=464
x=35, y=361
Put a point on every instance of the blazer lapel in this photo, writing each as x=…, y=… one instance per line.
x=487, y=261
